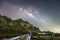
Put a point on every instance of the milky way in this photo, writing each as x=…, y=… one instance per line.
x=44, y=14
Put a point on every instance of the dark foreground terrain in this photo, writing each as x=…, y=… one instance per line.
x=10, y=28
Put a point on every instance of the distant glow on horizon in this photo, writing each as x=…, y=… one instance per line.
x=56, y=29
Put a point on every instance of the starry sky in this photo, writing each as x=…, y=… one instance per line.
x=45, y=14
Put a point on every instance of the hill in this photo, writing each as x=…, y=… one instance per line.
x=19, y=26
x=11, y=28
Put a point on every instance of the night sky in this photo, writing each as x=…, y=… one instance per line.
x=44, y=14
